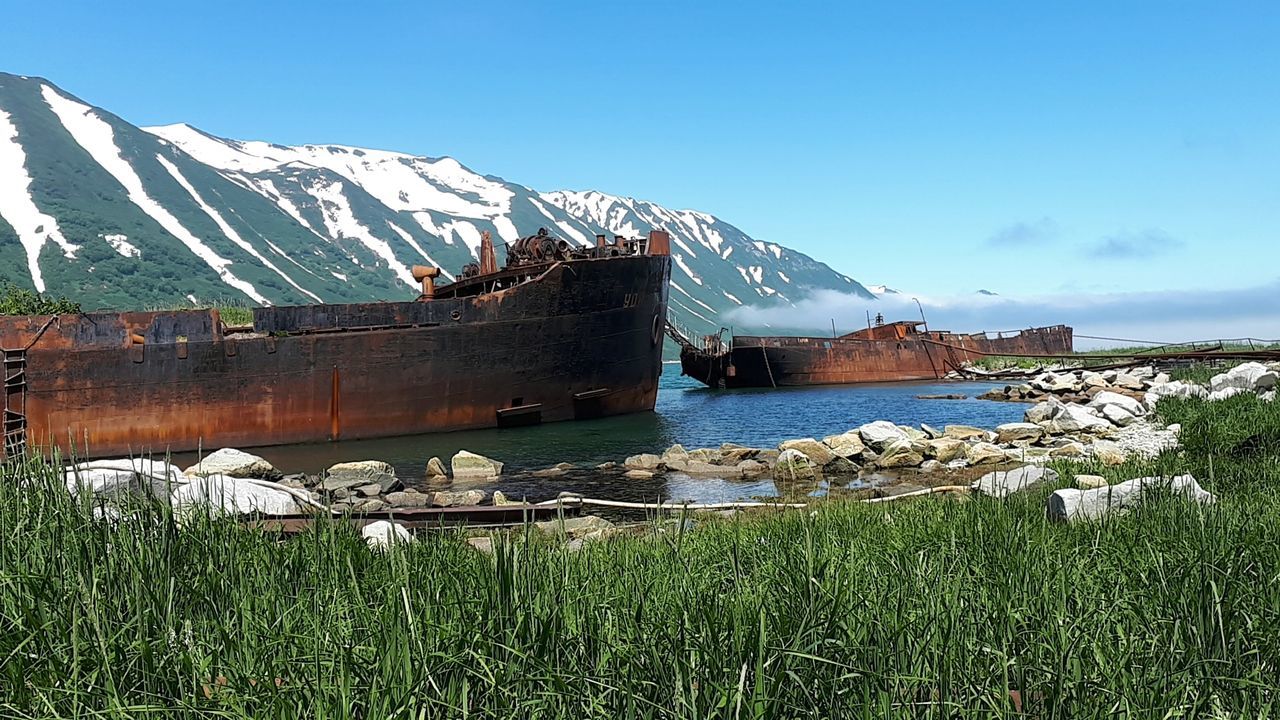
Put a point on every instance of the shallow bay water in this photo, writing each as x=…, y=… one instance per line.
x=686, y=412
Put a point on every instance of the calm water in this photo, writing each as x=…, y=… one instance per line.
x=687, y=413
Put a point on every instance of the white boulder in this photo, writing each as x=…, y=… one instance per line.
x=126, y=474
x=880, y=433
x=1004, y=483
x=1076, y=418
x=1226, y=392
x=1127, y=381
x=382, y=534
x=1072, y=505
x=1042, y=412
x=1248, y=376
x=232, y=463
x=1118, y=415
x=240, y=496
x=1124, y=402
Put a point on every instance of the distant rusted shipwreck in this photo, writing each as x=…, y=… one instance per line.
x=559, y=333
x=889, y=352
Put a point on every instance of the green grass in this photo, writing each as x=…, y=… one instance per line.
x=15, y=300
x=927, y=608
x=235, y=314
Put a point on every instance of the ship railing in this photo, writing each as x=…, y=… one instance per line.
x=689, y=339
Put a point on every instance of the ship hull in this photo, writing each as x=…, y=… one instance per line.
x=582, y=340
x=797, y=361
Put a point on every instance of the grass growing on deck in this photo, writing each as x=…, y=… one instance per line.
x=923, y=608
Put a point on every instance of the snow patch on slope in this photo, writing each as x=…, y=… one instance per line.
x=19, y=209
x=404, y=235
x=226, y=228
x=399, y=181
x=341, y=222
x=121, y=244
x=685, y=268
x=98, y=139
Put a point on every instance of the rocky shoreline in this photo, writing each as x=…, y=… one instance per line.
x=1076, y=414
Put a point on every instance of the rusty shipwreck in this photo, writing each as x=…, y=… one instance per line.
x=883, y=352
x=558, y=333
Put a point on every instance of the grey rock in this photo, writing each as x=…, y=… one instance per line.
x=1042, y=412
x=706, y=469
x=576, y=527
x=345, y=476
x=1107, y=452
x=945, y=449
x=964, y=432
x=899, y=454
x=1009, y=432
x=500, y=498
x=984, y=453
x=675, y=452
x=847, y=445
x=1118, y=415
x=456, y=498
x=793, y=465
x=818, y=453
x=1070, y=449
x=643, y=461
x=436, y=468
x=408, y=498
x=471, y=466
x=1090, y=482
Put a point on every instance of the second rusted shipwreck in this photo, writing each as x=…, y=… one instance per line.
x=558, y=333
x=897, y=351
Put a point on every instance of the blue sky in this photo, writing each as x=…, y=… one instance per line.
x=937, y=147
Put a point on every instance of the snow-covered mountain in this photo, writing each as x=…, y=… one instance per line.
x=114, y=215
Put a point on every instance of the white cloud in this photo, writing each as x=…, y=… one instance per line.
x=1165, y=316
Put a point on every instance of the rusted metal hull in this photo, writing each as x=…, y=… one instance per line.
x=791, y=361
x=581, y=340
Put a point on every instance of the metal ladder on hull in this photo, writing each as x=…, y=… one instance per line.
x=15, y=403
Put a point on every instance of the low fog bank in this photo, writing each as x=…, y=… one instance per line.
x=1165, y=316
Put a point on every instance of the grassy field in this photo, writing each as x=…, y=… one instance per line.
x=925, y=608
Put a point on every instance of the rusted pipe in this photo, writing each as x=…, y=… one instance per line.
x=426, y=276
